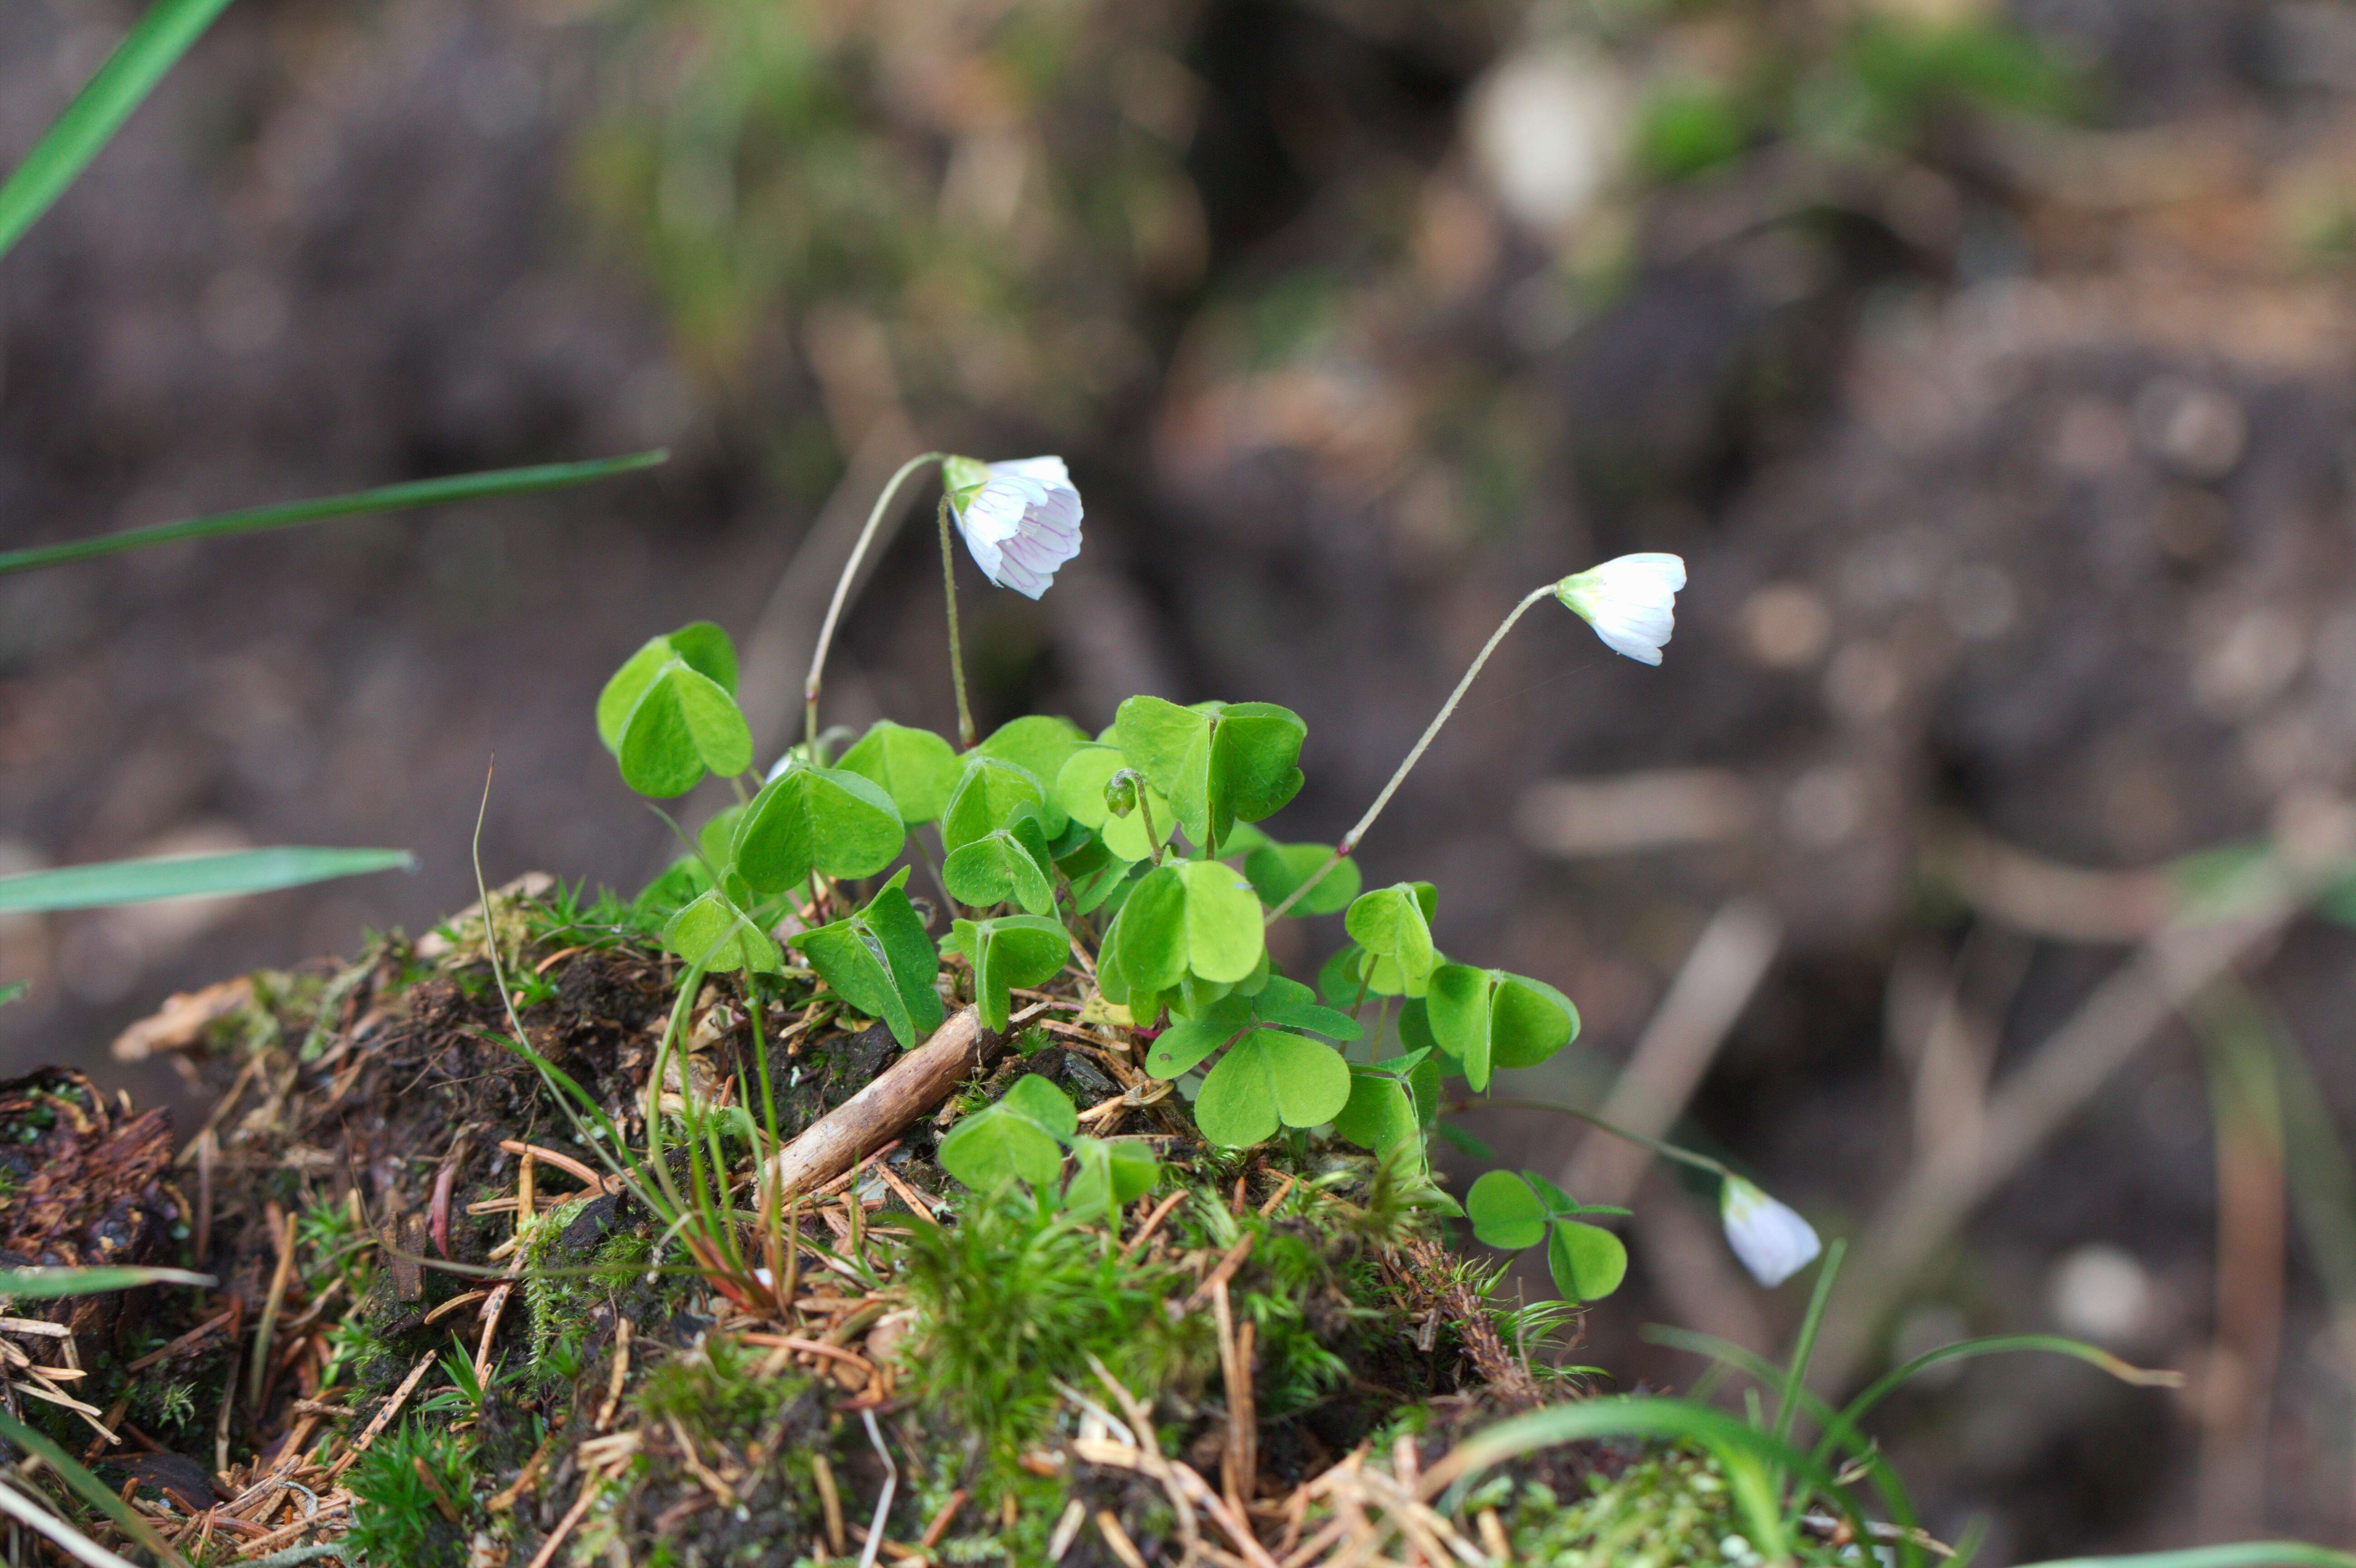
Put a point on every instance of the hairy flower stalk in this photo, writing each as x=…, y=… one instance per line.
x=1628, y=600
x=811, y=683
x=1021, y=518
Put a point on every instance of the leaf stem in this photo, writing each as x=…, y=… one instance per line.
x=1350, y=839
x=956, y=652
x=842, y=591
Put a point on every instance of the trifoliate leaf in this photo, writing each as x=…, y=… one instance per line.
x=988, y=795
x=681, y=724
x=1488, y=1019
x=1006, y=863
x=1020, y=1137
x=1080, y=792
x=1394, y=925
x=881, y=962
x=1270, y=1077
x=713, y=932
x=807, y=818
x=703, y=646
x=1041, y=745
x=915, y=767
x=1010, y=951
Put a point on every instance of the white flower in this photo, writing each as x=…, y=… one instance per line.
x=1774, y=1243
x=1630, y=600
x=1020, y=519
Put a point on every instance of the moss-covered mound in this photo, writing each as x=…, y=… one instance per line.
x=461, y=1320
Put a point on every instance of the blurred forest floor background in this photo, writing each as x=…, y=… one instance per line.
x=1992, y=366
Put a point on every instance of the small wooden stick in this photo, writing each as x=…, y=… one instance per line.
x=621, y=1374
x=381, y=1419
x=1153, y=1223
x=580, y=1171
x=909, y=1088
x=590, y=1487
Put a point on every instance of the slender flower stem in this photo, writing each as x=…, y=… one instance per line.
x=1666, y=1150
x=957, y=653
x=1350, y=839
x=842, y=591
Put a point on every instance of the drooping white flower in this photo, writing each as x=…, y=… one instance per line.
x=1774, y=1243
x=1020, y=518
x=1630, y=600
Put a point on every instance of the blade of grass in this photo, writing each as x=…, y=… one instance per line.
x=385, y=498
x=113, y=883
x=2238, y=1554
x=1740, y=1449
x=99, y=110
x=1787, y=1404
x=11, y=991
x=50, y=1284
x=100, y=1495
x=1844, y=1425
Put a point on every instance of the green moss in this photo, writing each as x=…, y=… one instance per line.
x=402, y=1485
x=716, y=1393
x=1668, y=1509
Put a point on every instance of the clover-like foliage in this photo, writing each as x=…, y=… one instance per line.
x=1514, y=1213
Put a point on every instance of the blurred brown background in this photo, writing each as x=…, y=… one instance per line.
x=1992, y=366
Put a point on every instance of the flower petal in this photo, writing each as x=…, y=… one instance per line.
x=1771, y=1240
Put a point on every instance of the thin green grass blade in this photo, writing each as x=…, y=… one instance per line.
x=112, y=882
x=105, y=101
x=1728, y=1356
x=1842, y=1427
x=1740, y=1449
x=50, y=1284
x=11, y=991
x=385, y=498
x=2238, y=1554
x=1803, y=1349
x=100, y=1495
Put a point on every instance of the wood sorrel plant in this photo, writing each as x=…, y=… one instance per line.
x=1133, y=855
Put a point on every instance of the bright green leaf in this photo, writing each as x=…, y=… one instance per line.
x=1148, y=936
x=1000, y=866
x=1504, y=1211
x=713, y=932
x=238, y=871
x=805, y=817
x=1394, y=925
x=881, y=962
x=1588, y=1261
x=1110, y=1174
x=1380, y=1112
x=915, y=767
x=1270, y=1077
x=988, y=795
x=1188, y=1041
x=1529, y=1020
x=1156, y=736
x=1224, y=941
x=1018, y=1136
x=1010, y=951
x=1080, y=793
x=682, y=723
x=1255, y=750
x=1039, y=745
x=1288, y=1004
